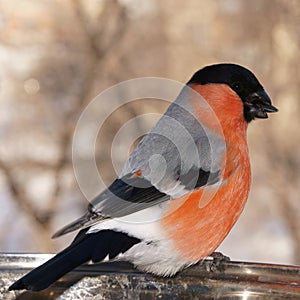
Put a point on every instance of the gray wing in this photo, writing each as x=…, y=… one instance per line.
x=178, y=155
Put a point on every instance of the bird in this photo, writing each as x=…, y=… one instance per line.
x=182, y=188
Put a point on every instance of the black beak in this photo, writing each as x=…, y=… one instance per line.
x=258, y=105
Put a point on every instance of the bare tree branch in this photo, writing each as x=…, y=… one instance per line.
x=25, y=205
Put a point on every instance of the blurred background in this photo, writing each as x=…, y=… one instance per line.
x=56, y=56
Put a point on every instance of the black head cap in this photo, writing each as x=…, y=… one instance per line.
x=256, y=101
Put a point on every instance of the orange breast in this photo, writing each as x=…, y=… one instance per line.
x=198, y=222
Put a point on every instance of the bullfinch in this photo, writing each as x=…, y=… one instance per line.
x=180, y=191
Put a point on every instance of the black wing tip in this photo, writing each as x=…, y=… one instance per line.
x=85, y=221
x=60, y=233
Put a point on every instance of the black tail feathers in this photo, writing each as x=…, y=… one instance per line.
x=85, y=247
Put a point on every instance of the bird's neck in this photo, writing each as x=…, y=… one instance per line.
x=227, y=112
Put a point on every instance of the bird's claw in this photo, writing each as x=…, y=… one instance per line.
x=218, y=260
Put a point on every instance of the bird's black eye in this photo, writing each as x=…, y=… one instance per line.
x=236, y=86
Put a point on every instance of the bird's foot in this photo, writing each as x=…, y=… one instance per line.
x=218, y=260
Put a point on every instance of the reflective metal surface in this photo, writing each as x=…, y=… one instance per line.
x=230, y=280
